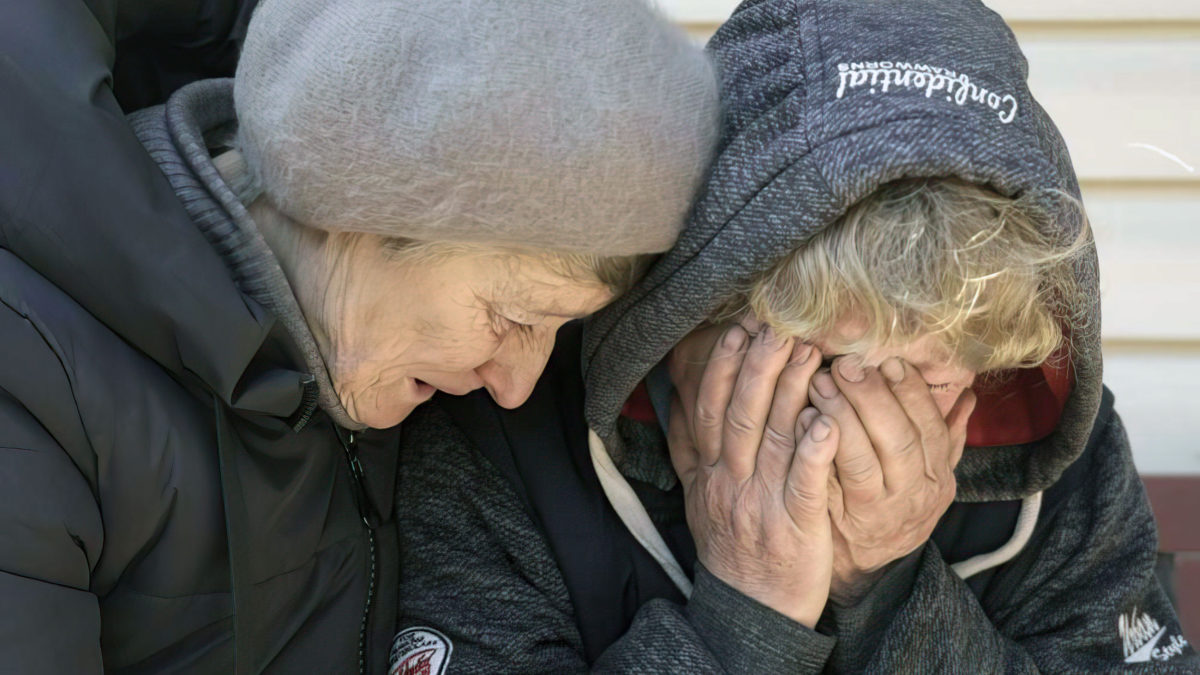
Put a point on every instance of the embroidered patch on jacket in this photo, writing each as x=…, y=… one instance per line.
x=419, y=651
x=1142, y=638
x=884, y=77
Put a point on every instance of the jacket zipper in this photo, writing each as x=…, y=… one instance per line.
x=350, y=445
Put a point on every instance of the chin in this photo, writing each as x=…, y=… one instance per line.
x=386, y=419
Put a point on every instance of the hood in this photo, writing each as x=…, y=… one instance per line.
x=824, y=103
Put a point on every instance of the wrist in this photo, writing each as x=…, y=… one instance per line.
x=849, y=587
x=803, y=605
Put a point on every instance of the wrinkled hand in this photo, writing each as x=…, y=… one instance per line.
x=894, y=466
x=755, y=472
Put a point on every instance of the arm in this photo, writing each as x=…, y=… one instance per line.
x=476, y=569
x=1091, y=569
x=50, y=538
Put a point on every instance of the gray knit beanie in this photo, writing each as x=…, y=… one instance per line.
x=576, y=125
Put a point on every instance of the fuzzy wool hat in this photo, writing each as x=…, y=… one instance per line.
x=572, y=125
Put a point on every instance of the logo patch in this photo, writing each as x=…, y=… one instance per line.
x=892, y=76
x=419, y=651
x=1141, y=635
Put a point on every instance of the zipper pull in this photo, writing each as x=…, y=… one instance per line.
x=366, y=510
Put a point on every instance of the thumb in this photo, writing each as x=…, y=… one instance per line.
x=684, y=456
x=807, y=491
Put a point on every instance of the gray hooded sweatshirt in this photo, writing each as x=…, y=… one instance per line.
x=825, y=102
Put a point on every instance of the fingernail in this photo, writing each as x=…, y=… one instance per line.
x=734, y=338
x=892, y=369
x=820, y=430
x=825, y=385
x=851, y=371
x=802, y=352
x=807, y=416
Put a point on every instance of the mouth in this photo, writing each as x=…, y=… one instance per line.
x=424, y=389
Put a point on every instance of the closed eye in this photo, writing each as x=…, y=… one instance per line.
x=939, y=387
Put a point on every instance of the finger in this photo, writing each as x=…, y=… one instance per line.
x=685, y=363
x=805, y=420
x=857, y=466
x=896, y=441
x=716, y=388
x=751, y=323
x=912, y=391
x=807, y=495
x=746, y=415
x=957, y=420
x=791, y=396
x=837, y=500
x=684, y=456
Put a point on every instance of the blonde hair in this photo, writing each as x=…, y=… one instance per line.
x=931, y=256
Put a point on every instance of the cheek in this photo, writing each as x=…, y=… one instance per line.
x=456, y=343
x=945, y=400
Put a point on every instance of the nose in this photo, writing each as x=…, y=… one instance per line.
x=514, y=370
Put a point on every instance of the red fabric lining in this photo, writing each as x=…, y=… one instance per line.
x=638, y=407
x=1020, y=406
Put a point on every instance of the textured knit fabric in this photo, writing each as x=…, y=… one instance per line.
x=810, y=129
x=562, y=124
x=138, y=377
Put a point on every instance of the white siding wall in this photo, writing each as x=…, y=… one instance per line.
x=1121, y=78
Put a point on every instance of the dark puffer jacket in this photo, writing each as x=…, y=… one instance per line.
x=168, y=502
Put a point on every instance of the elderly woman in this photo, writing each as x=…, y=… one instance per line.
x=207, y=356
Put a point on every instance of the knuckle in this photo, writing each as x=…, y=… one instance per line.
x=737, y=421
x=805, y=501
x=706, y=417
x=857, y=470
x=908, y=446
x=777, y=438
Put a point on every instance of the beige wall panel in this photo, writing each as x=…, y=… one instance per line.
x=1129, y=108
x=716, y=11
x=1157, y=400
x=1148, y=242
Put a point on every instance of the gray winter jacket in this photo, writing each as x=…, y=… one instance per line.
x=826, y=100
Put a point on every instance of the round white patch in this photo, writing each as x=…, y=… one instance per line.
x=419, y=651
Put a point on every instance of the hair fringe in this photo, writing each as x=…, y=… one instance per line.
x=991, y=276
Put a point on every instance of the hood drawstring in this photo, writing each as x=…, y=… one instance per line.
x=236, y=533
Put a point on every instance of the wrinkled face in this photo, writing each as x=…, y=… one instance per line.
x=947, y=378
x=403, y=329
